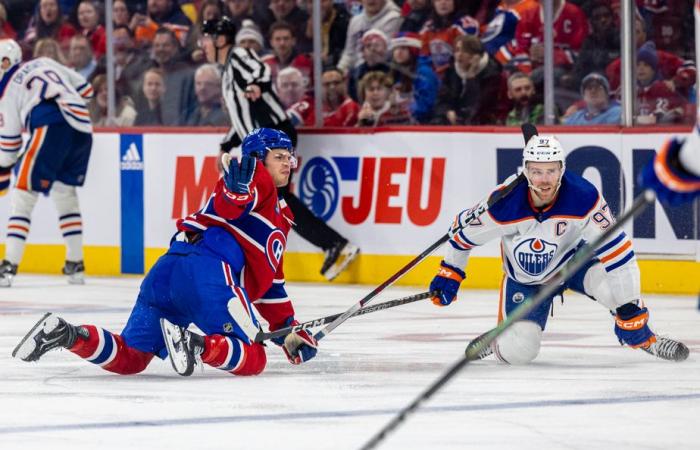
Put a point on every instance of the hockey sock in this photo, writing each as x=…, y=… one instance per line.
x=21, y=206
x=109, y=351
x=69, y=220
x=232, y=355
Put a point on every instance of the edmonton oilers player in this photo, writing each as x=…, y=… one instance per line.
x=541, y=225
x=224, y=258
x=49, y=100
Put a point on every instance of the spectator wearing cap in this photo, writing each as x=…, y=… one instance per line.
x=284, y=53
x=375, y=58
x=381, y=15
x=249, y=37
x=334, y=30
x=679, y=74
x=473, y=90
x=599, y=109
x=656, y=101
x=415, y=83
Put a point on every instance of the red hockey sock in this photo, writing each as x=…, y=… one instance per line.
x=110, y=352
x=233, y=355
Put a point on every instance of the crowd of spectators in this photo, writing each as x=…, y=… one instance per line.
x=398, y=62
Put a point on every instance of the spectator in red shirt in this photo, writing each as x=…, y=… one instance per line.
x=290, y=86
x=656, y=102
x=87, y=18
x=48, y=23
x=679, y=74
x=375, y=56
x=339, y=110
x=6, y=30
x=284, y=54
x=377, y=108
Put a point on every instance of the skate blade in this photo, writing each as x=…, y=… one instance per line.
x=342, y=263
x=6, y=281
x=27, y=345
x=76, y=278
x=173, y=336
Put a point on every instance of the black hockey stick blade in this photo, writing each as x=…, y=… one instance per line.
x=528, y=130
x=324, y=320
x=582, y=256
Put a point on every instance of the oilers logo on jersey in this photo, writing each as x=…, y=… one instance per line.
x=534, y=255
x=276, y=242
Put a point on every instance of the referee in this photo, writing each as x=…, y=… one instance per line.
x=246, y=85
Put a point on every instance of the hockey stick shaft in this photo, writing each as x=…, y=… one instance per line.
x=475, y=213
x=324, y=320
x=582, y=256
x=528, y=130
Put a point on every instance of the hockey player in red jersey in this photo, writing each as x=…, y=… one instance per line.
x=225, y=259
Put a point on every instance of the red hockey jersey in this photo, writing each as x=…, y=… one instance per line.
x=260, y=226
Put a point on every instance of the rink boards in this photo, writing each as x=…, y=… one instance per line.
x=393, y=192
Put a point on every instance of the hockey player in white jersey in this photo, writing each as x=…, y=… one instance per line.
x=541, y=225
x=48, y=100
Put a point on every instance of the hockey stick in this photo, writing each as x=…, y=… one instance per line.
x=580, y=258
x=528, y=131
x=324, y=320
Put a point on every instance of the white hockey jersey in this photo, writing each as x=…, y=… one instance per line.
x=536, y=243
x=26, y=85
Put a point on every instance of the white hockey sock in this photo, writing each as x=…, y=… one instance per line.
x=21, y=206
x=70, y=221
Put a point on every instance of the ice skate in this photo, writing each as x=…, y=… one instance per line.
x=50, y=332
x=7, y=273
x=338, y=258
x=668, y=349
x=184, y=347
x=484, y=352
x=75, y=272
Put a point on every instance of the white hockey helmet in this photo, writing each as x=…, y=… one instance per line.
x=544, y=148
x=10, y=50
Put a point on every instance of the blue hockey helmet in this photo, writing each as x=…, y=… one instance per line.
x=262, y=140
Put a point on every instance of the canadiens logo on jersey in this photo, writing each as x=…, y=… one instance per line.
x=534, y=255
x=274, y=247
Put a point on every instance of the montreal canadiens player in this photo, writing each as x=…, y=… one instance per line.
x=540, y=226
x=49, y=100
x=224, y=259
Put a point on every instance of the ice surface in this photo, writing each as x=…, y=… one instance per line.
x=583, y=392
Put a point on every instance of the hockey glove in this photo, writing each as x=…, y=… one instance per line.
x=631, y=326
x=447, y=282
x=299, y=346
x=238, y=176
x=665, y=175
x=5, y=175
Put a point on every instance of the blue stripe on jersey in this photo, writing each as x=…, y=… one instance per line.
x=611, y=244
x=21, y=218
x=11, y=150
x=10, y=137
x=6, y=79
x=254, y=228
x=461, y=235
x=18, y=236
x=510, y=269
x=68, y=216
x=564, y=259
x=456, y=246
x=106, y=350
x=72, y=233
x=275, y=291
x=619, y=263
